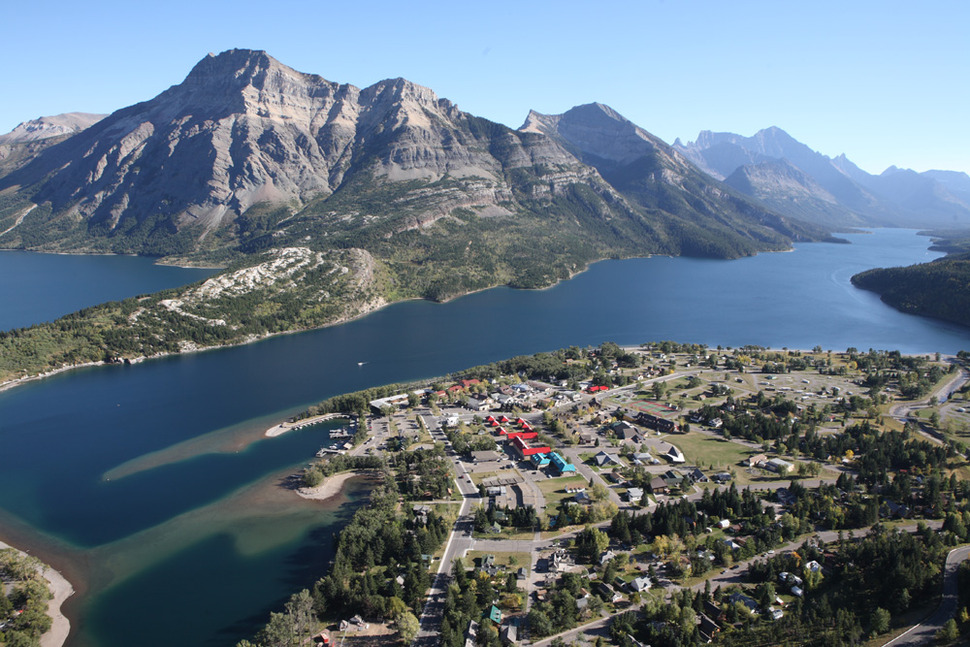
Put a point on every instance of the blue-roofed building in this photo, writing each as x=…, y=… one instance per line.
x=539, y=460
x=560, y=463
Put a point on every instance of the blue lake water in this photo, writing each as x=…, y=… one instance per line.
x=145, y=474
x=42, y=287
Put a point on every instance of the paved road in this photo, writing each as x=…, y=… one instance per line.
x=923, y=633
x=459, y=542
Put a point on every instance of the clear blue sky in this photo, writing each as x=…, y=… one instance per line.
x=885, y=82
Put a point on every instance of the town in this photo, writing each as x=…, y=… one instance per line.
x=666, y=494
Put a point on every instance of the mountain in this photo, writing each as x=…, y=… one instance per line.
x=707, y=218
x=787, y=189
x=29, y=138
x=247, y=154
x=895, y=198
x=957, y=183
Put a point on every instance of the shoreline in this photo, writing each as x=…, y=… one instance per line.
x=331, y=486
x=61, y=589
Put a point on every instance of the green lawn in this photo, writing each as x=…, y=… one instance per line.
x=704, y=450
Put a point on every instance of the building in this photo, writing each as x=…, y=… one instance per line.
x=395, y=401
x=640, y=584
x=523, y=449
x=656, y=423
x=559, y=463
x=524, y=435
x=539, y=460
x=634, y=494
x=779, y=466
x=626, y=432
x=672, y=453
x=603, y=458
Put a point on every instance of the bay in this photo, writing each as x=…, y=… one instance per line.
x=35, y=288
x=143, y=475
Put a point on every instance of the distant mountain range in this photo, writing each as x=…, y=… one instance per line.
x=788, y=176
x=248, y=154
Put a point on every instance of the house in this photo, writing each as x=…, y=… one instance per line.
x=779, y=466
x=658, y=485
x=723, y=524
x=697, y=475
x=758, y=460
x=708, y=628
x=634, y=494
x=510, y=634
x=471, y=634
x=494, y=614
x=813, y=566
x=744, y=600
x=644, y=458
x=479, y=402
x=640, y=584
x=721, y=477
x=603, y=458
x=607, y=592
x=797, y=591
x=606, y=556
x=626, y=432
x=582, y=498
x=671, y=453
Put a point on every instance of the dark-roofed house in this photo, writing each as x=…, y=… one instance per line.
x=708, y=628
x=625, y=431
x=658, y=485
x=603, y=458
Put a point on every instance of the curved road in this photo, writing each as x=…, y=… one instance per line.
x=924, y=633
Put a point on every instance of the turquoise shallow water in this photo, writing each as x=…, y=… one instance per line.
x=147, y=479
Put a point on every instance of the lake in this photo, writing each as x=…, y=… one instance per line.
x=153, y=485
x=42, y=287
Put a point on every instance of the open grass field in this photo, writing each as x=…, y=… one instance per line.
x=511, y=560
x=554, y=490
x=703, y=450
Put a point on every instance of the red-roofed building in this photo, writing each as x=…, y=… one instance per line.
x=467, y=383
x=503, y=419
x=524, y=435
x=523, y=449
x=501, y=431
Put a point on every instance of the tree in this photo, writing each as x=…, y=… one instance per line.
x=948, y=632
x=300, y=611
x=879, y=620
x=407, y=626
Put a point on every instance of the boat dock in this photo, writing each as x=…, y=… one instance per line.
x=284, y=427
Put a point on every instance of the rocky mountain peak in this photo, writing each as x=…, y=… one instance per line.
x=48, y=127
x=598, y=130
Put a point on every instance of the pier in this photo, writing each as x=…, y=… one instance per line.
x=284, y=427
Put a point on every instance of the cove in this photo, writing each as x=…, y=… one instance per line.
x=154, y=478
x=35, y=287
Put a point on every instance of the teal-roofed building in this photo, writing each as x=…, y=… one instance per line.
x=539, y=460
x=494, y=614
x=560, y=464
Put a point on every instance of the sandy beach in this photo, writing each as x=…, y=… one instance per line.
x=61, y=590
x=331, y=486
